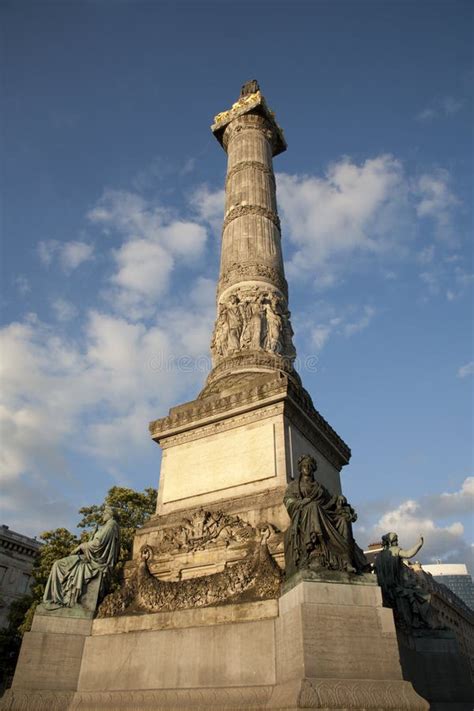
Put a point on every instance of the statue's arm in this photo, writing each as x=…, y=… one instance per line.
x=411, y=551
x=293, y=504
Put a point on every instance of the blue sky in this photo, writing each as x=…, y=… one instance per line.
x=112, y=204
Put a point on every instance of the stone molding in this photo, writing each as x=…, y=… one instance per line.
x=249, y=122
x=238, y=272
x=246, y=164
x=359, y=694
x=298, y=407
x=25, y=700
x=241, y=506
x=223, y=425
x=249, y=110
x=258, y=210
x=308, y=693
x=258, y=361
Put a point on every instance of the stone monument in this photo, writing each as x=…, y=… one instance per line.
x=206, y=618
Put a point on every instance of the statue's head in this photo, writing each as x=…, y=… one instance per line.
x=307, y=466
x=389, y=540
x=108, y=513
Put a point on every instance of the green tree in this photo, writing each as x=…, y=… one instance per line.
x=10, y=639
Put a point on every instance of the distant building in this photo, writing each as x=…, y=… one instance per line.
x=456, y=577
x=17, y=555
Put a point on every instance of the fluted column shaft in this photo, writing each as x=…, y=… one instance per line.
x=253, y=333
x=251, y=240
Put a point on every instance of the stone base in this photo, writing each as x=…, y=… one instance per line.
x=323, y=645
x=437, y=669
x=307, y=694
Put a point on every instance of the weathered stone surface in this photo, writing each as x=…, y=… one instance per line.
x=237, y=654
x=321, y=625
x=199, y=617
x=51, y=654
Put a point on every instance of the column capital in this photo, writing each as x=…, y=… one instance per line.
x=255, y=105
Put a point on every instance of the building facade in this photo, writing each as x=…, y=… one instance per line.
x=456, y=577
x=17, y=556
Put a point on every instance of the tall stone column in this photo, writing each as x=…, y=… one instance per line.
x=238, y=443
x=253, y=332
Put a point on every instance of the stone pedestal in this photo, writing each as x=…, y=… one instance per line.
x=438, y=671
x=326, y=645
x=233, y=453
x=337, y=648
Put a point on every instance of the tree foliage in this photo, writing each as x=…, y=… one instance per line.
x=10, y=638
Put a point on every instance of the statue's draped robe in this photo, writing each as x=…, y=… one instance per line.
x=69, y=576
x=313, y=529
x=410, y=601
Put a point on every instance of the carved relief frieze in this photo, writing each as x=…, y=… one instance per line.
x=246, y=164
x=256, y=576
x=249, y=122
x=252, y=319
x=203, y=529
x=253, y=270
x=243, y=210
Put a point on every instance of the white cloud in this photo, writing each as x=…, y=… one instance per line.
x=465, y=370
x=436, y=201
x=69, y=254
x=361, y=323
x=445, y=107
x=63, y=310
x=426, y=115
x=73, y=254
x=451, y=105
x=353, y=214
x=429, y=517
x=426, y=255
x=209, y=205
x=320, y=335
x=152, y=241
x=353, y=209
x=445, y=276
x=346, y=323
x=452, y=503
x=143, y=267
x=22, y=284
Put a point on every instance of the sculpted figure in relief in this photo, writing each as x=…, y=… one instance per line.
x=221, y=333
x=235, y=323
x=274, y=326
x=253, y=320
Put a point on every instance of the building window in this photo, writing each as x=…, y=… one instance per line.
x=25, y=582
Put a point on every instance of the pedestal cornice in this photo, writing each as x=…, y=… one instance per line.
x=194, y=419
